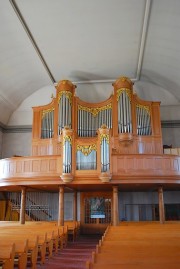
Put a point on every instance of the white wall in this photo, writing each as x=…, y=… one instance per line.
x=171, y=136
x=1, y=140
x=16, y=144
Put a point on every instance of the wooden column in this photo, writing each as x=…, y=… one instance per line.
x=23, y=205
x=161, y=205
x=61, y=207
x=75, y=206
x=115, y=206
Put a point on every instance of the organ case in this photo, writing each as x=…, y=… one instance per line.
x=87, y=135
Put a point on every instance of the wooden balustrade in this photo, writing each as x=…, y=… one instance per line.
x=41, y=170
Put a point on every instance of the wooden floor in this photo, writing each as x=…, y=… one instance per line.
x=141, y=245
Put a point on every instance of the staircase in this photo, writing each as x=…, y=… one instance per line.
x=75, y=255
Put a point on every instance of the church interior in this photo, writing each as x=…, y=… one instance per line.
x=89, y=133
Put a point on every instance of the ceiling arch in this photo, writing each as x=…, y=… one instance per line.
x=91, y=43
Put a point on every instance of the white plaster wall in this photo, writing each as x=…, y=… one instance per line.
x=23, y=114
x=16, y=144
x=171, y=112
x=170, y=136
x=1, y=141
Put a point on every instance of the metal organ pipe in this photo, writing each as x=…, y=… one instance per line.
x=64, y=111
x=67, y=150
x=91, y=119
x=143, y=119
x=105, y=149
x=47, y=123
x=124, y=112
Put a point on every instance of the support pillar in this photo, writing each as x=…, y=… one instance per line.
x=75, y=207
x=115, y=206
x=23, y=205
x=61, y=207
x=161, y=205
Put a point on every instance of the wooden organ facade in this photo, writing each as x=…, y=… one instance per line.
x=88, y=136
x=98, y=147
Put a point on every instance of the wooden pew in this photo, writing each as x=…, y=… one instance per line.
x=19, y=237
x=7, y=255
x=21, y=249
x=73, y=229
x=147, y=246
x=43, y=239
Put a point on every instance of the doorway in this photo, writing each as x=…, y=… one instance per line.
x=96, y=208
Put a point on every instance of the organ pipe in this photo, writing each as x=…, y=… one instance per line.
x=67, y=150
x=105, y=149
x=86, y=157
x=47, y=123
x=143, y=119
x=64, y=110
x=124, y=111
x=91, y=119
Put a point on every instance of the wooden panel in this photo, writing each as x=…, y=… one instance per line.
x=140, y=163
x=145, y=165
x=27, y=166
x=53, y=165
x=156, y=118
x=148, y=163
x=176, y=164
x=44, y=147
x=44, y=165
x=167, y=164
x=130, y=163
x=34, y=166
x=11, y=167
x=19, y=167
x=139, y=145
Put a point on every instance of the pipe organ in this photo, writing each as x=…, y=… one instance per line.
x=64, y=110
x=124, y=111
x=47, y=123
x=87, y=135
x=90, y=119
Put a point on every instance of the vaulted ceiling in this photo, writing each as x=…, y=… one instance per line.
x=90, y=43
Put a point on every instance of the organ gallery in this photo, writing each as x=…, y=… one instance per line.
x=96, y=150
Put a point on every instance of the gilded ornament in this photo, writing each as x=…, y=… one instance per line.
x=86, y=149
x=96, y=110
x=147, y=108
x=120, y=91
x=104, y=136
x=45, y=111
x=104, y=126
x=67, y=94
x=67, y=138
x=123, y=79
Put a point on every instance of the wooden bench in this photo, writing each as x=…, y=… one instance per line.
x=147, y=247
x=44, y=239
x=7, y=255
x=73, y=229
